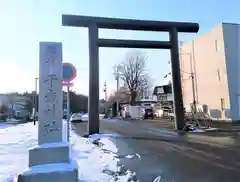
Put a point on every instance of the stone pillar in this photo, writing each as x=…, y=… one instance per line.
x=93, y=99
x=176, y=81
x=49, y=160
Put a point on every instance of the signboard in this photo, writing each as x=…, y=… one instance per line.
x=69, y=72
x=162, y=98
x=68, y=84
x=165, y=97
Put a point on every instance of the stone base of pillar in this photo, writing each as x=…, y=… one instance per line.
x=49, y=163
x=49, y=153
x=59, y=172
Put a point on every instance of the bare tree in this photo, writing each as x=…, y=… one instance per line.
x=132, y=71
x=10, y=100
x=122, y=95
x=3, y=108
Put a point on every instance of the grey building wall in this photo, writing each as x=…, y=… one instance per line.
x=3, y=99
x=231, y=34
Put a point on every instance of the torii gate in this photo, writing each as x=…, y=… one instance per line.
x=94, y=23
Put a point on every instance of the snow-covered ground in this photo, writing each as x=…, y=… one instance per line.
x=95, y=164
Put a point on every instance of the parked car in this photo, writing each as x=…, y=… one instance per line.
x=84, y=117
x=80, y=117
x=3, y=116
x=158, y=113
x=76, y=117
x=101, y=116
x=142, y=112
x=149, y=113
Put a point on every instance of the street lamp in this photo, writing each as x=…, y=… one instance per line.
x=117, y=76
x=35, y=100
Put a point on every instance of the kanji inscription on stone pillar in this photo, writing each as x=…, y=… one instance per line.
x=50, y=93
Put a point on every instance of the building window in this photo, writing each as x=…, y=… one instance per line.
x=216, y=45
x=160, y=90
x=218, y=72
x=222, y=104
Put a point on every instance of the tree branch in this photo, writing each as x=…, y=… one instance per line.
x=132, y=71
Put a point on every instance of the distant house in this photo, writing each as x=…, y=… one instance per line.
x=20, y=106
x=164, y=96
x=102, y=106
x=16, y=103
x=78, y=103
x=3, y=99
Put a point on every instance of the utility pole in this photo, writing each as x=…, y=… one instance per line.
x=105, y=90
x=192, y=79
x=35, y=100
x=145, y=92
x=193, y=85
x=117, y=79
x=68, y=113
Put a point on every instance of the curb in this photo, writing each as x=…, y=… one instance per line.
x=224, y=130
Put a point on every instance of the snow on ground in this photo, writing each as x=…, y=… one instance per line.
x=95, y=164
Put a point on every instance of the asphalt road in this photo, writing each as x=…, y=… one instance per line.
x=209, y=157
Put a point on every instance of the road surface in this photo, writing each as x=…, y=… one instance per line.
x=151, y=151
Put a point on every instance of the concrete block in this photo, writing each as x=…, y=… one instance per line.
x=49, y=153
x=58, y=172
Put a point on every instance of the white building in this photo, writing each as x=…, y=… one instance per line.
x=16, y=104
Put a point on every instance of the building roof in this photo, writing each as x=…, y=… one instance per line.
x=162, y=89
x=231, y=23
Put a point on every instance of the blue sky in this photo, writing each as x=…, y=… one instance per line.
x=24, y=23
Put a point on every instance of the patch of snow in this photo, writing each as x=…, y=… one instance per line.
x=157, y=179
x=129, y=156
x=138, y=156
x=105, y=142
x=14, y=144
x=5, y=125
x=93, y=162
x=210, y=129
x=108, y=144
